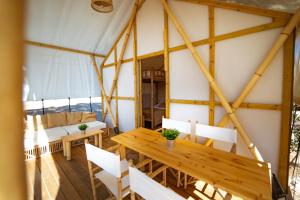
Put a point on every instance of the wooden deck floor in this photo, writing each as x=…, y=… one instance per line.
x=53, y=177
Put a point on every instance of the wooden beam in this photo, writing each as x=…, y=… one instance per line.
x=122, y=52
x=262, y=67
x=286, y=114
x=242, y=8
x=256, y=29
x=116, y=90
x=135, y=73
x=12, y=165
x=123, y=98
x=167, y=62
x=50, y=46
x=212, y=47
x=213, y=85
x=258, y=106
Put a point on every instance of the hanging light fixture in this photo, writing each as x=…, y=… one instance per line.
x=104, y=6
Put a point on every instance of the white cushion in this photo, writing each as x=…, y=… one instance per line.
x=94, y=125
x=42, y=137
x=111, y=182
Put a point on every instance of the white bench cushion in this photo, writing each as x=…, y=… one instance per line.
x=42, y=137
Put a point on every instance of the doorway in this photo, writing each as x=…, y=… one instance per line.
x=153, y=86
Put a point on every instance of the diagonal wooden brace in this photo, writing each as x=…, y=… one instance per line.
x=261, y=69
x=100, y=80
x=118, y=67
x=213, y=84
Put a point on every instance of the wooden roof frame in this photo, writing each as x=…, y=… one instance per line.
x=50, y=46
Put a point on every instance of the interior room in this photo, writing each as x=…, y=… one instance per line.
x=150, y=99
x=153, y=91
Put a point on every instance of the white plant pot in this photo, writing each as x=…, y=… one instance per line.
x=170, y=143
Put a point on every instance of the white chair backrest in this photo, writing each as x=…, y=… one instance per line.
x=104, y=159
x=148, y=188
x=216, y=133
x=182, y=127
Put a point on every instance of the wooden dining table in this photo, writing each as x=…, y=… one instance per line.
x=241, y=176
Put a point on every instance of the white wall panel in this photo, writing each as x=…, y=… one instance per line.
x=193, y=18
x=108, y=76
x=264, y=130
x=237, y=60
x=186, y=79
x=126, y=80
x=110, y=59
x=186, y=112
x=150, y=22
x=126, y=115
x=228, y=21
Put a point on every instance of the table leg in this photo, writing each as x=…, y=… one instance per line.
x=141, y=158
x=96, y=140
x=100, y=140
x=122, y=151
x=64, y=148
x=68, y=144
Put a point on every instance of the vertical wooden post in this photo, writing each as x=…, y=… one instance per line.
x=167, y=62
x=152, y=100
x=116, y=90
x=286, y=113
x=12, y=167
x=102, y=97
x=140, y=92
x=211, y=64
x=135, y=71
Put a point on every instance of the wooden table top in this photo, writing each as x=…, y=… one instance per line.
x=241, y=176
x=80, y=135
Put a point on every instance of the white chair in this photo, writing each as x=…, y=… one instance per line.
x=113, y=175
x=147, y=188
x=185, y=129
x=227, y=135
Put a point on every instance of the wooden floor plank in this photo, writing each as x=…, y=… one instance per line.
x=65, y=186
x=74, y=175
x=35, y=177
x=47, y=174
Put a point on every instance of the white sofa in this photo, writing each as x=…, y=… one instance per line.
x=43, y=133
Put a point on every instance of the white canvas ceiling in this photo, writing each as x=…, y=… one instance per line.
x=74, y=24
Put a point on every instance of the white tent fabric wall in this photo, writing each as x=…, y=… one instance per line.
x=53, y=74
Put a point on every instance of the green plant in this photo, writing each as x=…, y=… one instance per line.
x=170, y=134
x=83, y=127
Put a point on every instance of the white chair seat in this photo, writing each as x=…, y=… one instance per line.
x=111, y=182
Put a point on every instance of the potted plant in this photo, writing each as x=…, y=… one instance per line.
x=170, y=135
x=82, y=127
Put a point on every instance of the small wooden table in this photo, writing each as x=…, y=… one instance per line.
x=67, y=140
x=240, y=176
